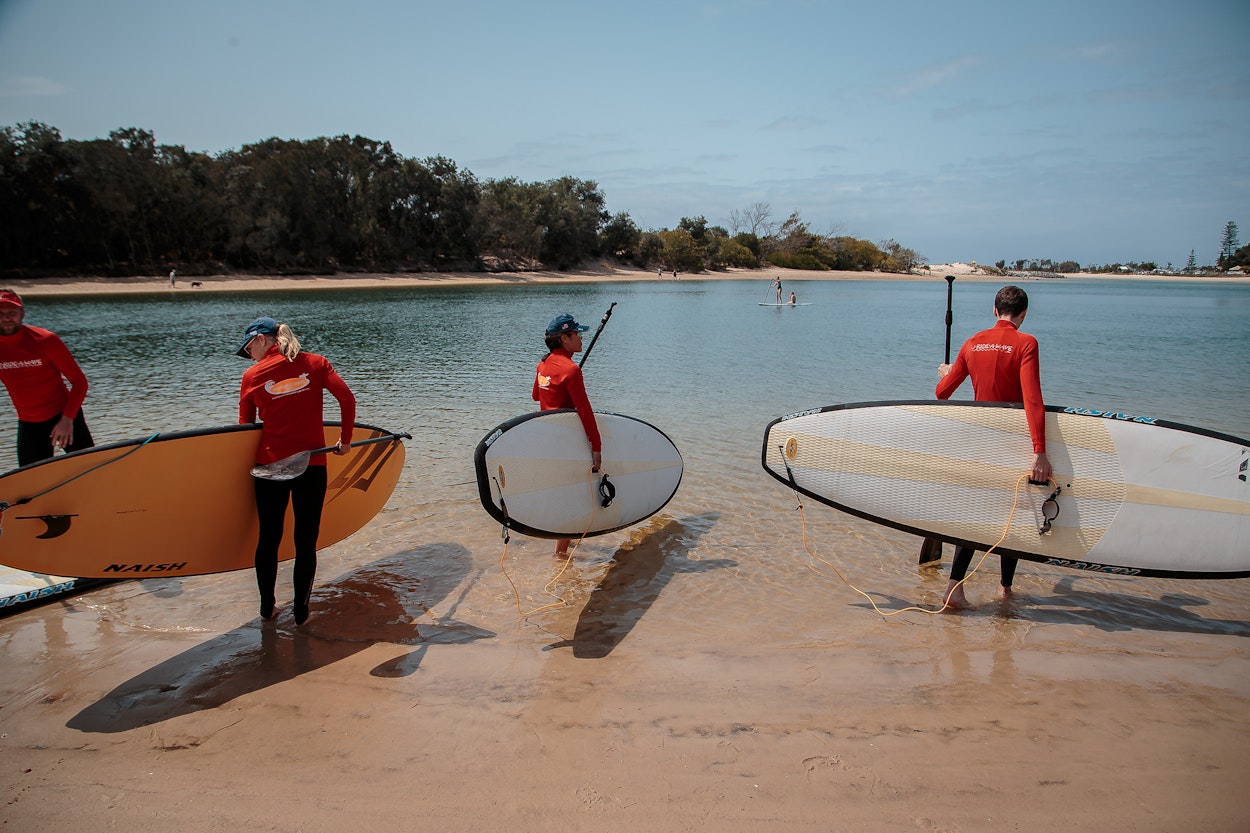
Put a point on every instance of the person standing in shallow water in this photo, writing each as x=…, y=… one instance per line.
x=284, y=390
x=1004, y=366
x=558, y=384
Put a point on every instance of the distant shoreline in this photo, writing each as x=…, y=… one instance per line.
x=93, y=285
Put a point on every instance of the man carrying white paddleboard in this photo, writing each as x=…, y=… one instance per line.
x=1004, y=366
x=558, y=384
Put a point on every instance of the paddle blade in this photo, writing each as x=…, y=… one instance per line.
x=287, y=468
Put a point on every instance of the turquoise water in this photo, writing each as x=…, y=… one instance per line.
x=700, y=359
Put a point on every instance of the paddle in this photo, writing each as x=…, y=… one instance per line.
x=291, y=467
x=931, y=549
x=595, y=337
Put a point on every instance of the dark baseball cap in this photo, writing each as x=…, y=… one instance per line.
x=564, y=323
x=260, y=327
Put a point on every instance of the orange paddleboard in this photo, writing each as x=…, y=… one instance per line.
x=176, y=504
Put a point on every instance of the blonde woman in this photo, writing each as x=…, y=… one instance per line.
x=283, y=391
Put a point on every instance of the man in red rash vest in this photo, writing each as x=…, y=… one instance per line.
x=1003, y=363
x=34, y=366
x=558, y=384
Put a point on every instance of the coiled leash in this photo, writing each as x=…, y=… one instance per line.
x=1050, y=507
x=607, y=492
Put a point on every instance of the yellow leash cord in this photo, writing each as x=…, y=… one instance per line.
x=560, y=602
x=1006, y=531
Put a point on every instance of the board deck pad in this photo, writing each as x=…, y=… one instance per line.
x=1138, y=495
x=175, y=504
x=533, y=474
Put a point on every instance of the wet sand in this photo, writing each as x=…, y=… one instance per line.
x=703, y=672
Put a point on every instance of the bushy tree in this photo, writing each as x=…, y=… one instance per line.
x=681, y=251
x=619, y=237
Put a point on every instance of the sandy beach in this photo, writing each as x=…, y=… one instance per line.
x=703, y=671
x=86, y=285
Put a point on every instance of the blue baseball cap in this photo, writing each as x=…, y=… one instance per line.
x=564, y=323
x=260, y=327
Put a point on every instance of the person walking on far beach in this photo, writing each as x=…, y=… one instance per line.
x=558, y=384
x=173, y=278
x=1003, y=363
x=284, y=390
x=34, y=366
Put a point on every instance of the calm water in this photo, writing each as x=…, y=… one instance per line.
x=700, y=359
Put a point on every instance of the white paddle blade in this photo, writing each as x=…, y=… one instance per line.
x=287, y=468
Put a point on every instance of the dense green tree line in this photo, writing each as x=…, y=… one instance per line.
x=126, y=205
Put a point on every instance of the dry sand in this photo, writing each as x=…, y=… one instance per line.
x=236, y=283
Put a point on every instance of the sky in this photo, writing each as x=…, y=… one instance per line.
x=1100, y=131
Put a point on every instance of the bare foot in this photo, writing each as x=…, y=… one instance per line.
x=1006, y=593
x=955, y=600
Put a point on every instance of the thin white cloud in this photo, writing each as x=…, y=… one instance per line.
x=30, y=86
x=793, y=123
x=936, y=76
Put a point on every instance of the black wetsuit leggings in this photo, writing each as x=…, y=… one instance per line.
x=306, y=495
x=34, y=439
x=963, y=558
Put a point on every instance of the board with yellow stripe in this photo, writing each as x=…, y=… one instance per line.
x=1130, y=495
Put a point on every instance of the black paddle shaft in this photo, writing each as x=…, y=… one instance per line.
x=595, y=337
x=931, y=549
x=950, y=318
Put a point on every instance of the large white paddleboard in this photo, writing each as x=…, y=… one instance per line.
x=533, y=474
x=1137, y=495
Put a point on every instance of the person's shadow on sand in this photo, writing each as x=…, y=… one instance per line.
x=1101, y=609
x=1116, y=612
x=639, y=571
x=376, y=603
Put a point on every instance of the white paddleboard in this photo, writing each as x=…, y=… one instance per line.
x=20, y=590
x=1138, y=495
x=770, y=304
x=533, y=474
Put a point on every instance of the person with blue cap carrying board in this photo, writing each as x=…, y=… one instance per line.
x=283, y=390
x=558, y=384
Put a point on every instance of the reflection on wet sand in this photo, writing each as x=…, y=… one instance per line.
x=376, y=603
